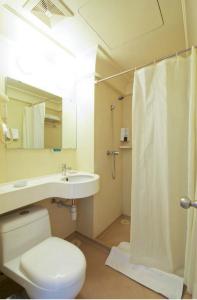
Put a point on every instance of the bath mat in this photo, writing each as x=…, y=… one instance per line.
x=169, y=285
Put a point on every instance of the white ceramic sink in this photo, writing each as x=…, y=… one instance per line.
x=75, y=185
x=78, y=178
x=80, y=185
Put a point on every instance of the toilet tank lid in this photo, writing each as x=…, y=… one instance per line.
x=21, y=218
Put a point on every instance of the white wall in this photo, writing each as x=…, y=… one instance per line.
x=114, y=197
x=108, y=202
x=191, y=21
x=41, y=65
x=85, y=133
x=127, y=156
x=32, y=58
x=84, y=93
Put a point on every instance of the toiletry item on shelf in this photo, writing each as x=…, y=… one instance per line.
x=15, y=134
x=124, y=134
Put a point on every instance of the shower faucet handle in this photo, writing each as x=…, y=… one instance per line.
x=186, y=203
x=112, y=152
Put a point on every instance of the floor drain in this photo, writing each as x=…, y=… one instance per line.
x=125, y=222
x=77, y=242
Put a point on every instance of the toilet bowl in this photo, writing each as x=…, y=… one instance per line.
x=46, y=266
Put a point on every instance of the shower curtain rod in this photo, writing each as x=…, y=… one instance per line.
x=143, y=66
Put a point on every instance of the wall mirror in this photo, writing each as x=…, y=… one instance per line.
x=38, y=119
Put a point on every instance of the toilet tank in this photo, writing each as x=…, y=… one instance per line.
x=21, y=230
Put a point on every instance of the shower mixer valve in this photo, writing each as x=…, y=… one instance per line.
x=112, y=152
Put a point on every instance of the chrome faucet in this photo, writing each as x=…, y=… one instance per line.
x=64, y=169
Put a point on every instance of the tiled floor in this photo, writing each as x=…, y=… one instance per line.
x=101, y=281
x=118, y=231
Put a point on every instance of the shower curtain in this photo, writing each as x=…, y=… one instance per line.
x=164, y=167
x=190, y=273
x=33, y=127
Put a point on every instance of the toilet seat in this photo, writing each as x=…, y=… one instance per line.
x=53, y=263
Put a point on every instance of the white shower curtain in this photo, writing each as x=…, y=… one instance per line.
x=190, y=273
x=33, y=127
x=164, y=116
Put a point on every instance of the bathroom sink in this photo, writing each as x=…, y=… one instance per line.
x=80, y=185
x=78, y=178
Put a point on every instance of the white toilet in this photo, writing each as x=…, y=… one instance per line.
x=46, y=266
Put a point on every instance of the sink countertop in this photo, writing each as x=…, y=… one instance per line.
x=43, y=187
x=34, y=181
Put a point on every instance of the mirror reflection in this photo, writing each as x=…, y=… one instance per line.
x=34, y=117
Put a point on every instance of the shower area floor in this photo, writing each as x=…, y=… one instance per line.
x=117, y=232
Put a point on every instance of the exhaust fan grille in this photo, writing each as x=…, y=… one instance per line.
x=46, y=6
x=49, y=11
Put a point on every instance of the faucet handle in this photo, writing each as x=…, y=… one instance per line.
x=63, y=168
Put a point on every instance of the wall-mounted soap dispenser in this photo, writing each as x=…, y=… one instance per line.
x=124, y=134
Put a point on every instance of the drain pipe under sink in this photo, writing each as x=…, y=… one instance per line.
x=72, y=207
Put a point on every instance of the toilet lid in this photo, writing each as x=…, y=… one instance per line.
x=53, y=263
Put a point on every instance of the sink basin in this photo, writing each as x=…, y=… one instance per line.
x=80, y=185
x=78, y=178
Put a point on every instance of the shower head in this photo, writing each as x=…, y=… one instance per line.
x=113, y=106
x=120, y=98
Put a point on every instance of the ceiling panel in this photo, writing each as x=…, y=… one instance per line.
x=77, y=35
x=119, y=21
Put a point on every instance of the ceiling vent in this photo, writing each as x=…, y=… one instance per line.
x=48, y=11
